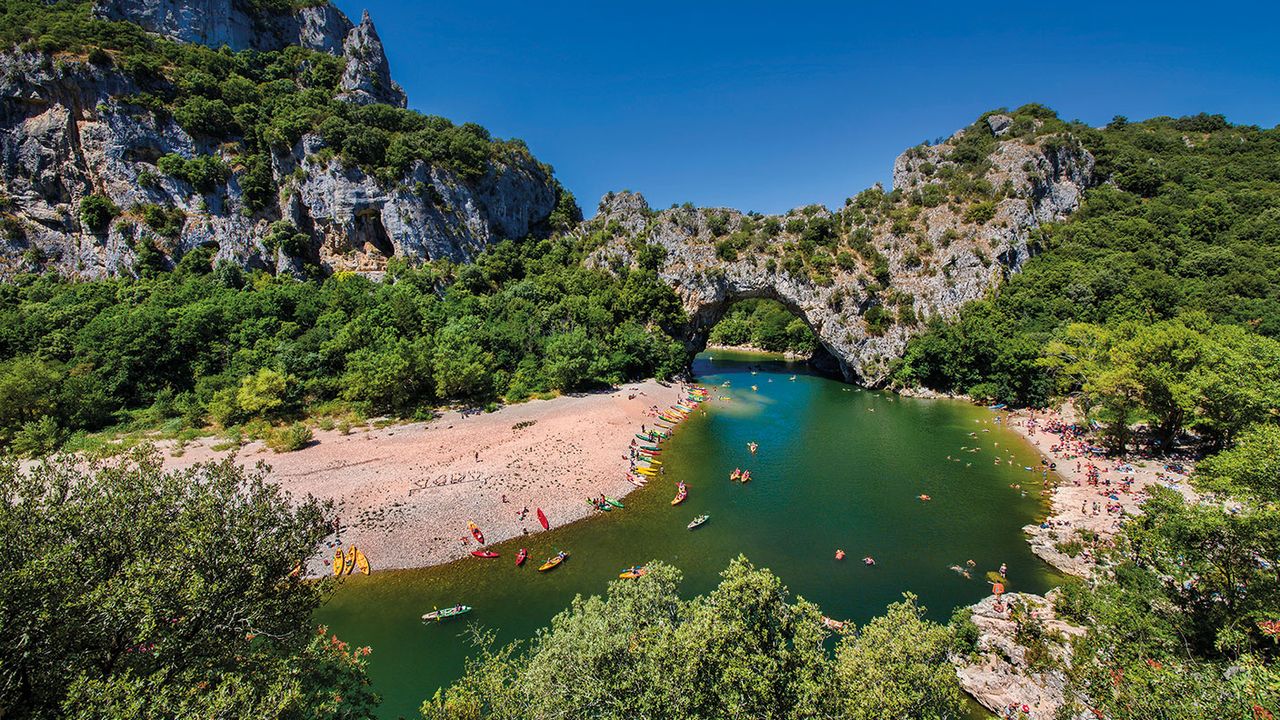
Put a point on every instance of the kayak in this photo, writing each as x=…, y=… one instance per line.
x=654, y=448
x=362, y=562
x=633, y=572
x=602, y=507
x=542, y=518
x=338, y=561
x=475, y=532
x=349, y=563
x=681, y=494
x=698, y=521
x=614, y=502
x=484, y=553
x=454, y=611
x=554, y=562
x=520, y=556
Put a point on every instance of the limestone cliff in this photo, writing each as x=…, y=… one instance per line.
x=235, y=24
x=867, y=277
x=71, y=128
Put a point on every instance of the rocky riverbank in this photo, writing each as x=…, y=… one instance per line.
x=1089, y=496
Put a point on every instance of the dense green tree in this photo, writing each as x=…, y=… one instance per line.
x=1251, y=467
x=135, y=592
x=764, y=324
x=96, y=211
x=747, y=649
x=897, y=666
x=1179, y=628
x=525, y=318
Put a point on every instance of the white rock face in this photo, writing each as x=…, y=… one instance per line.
x=367, y=77
x=1001, y=676
x=322, y=27
x=964, y=261
x=66, y=132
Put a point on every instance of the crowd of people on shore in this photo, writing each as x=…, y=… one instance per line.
x=1106, y=488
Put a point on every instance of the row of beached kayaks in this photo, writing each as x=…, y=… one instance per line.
x=344, y=563
x=646, y=465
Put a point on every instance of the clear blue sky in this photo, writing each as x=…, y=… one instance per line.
x=771, y=105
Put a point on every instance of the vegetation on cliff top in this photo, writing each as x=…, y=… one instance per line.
x=1190, y=224
x=248, y=104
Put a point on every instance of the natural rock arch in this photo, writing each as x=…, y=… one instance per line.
x=886, y=263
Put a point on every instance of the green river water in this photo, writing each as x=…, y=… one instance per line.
x=837, y=467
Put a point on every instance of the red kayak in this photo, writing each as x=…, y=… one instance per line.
x=543, y=519
x=484, y=553
x=475, y=532
x=520, y=556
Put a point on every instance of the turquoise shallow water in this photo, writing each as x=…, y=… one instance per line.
x=837, y=467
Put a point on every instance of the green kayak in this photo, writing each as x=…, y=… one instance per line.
x=614, y=502
x=446, y=613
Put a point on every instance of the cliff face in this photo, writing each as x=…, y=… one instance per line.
x=70, y=129
x=891, y=262
x=320, y=27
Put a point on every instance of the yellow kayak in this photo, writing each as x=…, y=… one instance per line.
x=349, y=563
x=553, y=562
x=338, y=561
x=362, y=562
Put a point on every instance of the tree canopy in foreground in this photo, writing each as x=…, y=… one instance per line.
x=745, y=650
x=131, y=592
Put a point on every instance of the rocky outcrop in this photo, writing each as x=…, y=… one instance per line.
x=367, y=77
x=68, y=130
x=915, y=261
x=1006, y=674
x=233, y=23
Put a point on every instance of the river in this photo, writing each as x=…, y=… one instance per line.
x=837, y=467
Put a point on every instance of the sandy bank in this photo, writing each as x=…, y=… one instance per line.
x=1093, y=494
x=404, y=493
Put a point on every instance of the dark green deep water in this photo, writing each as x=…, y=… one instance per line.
x=837, y=467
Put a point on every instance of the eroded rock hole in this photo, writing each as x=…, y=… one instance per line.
x=370, y=234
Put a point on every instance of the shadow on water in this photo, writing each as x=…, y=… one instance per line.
x=837, y=468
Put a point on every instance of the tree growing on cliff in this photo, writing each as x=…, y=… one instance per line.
x=134, y=592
